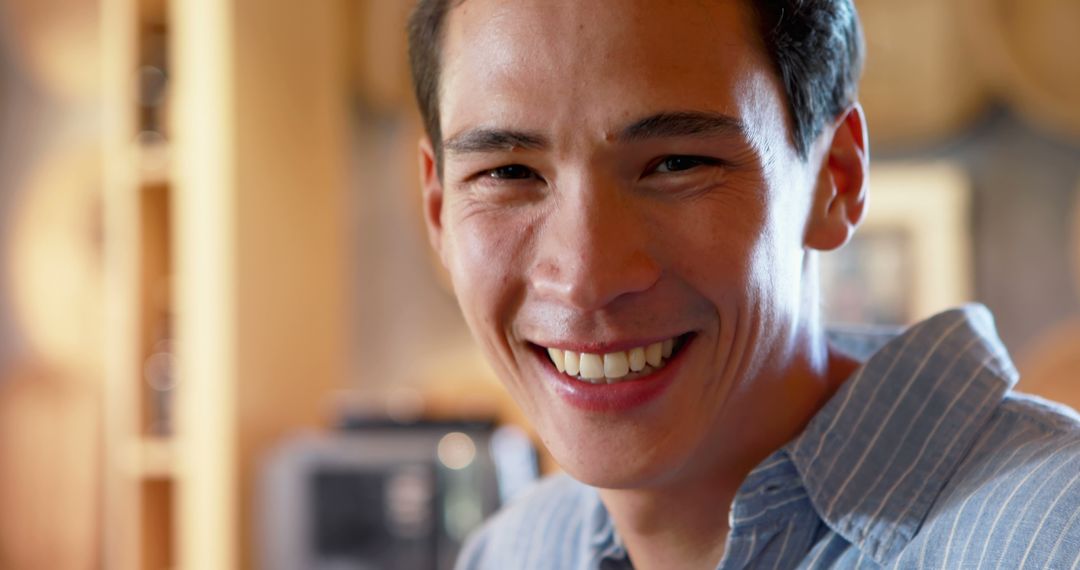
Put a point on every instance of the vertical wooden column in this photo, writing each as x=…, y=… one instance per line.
x=260, y=195
x=204, y=202
x=121, y=504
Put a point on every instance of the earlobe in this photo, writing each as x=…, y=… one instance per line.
x=432, y=188
x=841, y=193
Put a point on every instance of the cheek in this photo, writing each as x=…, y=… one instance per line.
x=484, y=260
x=719, y=245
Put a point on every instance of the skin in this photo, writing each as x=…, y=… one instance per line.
x=569, y=233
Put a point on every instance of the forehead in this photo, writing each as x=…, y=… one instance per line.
x=595, y=62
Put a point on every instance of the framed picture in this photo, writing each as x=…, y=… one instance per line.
x=912, y=256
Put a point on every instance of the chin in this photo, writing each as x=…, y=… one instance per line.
x=608, y=461
x=615, y=473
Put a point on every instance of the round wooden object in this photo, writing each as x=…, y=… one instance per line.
x=1028, y=49
x=55, y=256
x=1075, y=260
x=1051, y=367
x=918, y=85
x=1076, y=239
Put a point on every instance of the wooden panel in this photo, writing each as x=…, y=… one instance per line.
x=378, y=58
x=290, y=168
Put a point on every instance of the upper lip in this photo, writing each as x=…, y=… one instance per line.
x=603, y=347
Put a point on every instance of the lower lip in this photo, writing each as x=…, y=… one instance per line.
x=617, y=397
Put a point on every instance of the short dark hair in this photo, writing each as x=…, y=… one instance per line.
x=815, y=45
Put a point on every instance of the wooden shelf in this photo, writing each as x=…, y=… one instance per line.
x=140, y=469
x=152, y=458
x=153, y=161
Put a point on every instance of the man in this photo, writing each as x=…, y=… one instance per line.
x=630, y=197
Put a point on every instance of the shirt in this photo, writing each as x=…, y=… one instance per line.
x=924, y=458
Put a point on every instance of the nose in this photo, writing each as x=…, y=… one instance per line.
x=594, y=248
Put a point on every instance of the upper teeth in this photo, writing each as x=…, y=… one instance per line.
x=599, y=368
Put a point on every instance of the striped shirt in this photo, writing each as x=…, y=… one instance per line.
x=925, y=458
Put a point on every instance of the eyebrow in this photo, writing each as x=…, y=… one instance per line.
x=493, y=140
x=661, y=125
x=682, y=124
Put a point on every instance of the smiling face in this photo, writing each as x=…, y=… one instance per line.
x=618, y=176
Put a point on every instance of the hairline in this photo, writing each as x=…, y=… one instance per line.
x=799, y=136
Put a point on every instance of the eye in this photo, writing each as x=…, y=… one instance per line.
x=679, y=163
x=510, y=172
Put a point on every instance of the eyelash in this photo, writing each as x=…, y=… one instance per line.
x=527, y=173
x=492, y=173
x=697, y=161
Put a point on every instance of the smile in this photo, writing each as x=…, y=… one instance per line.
x=615, y=367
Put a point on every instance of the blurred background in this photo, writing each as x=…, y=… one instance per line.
x=225, y=344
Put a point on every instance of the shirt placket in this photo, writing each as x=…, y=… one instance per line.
x=757, y=518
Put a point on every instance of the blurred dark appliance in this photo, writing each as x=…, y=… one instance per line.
x=386, y=496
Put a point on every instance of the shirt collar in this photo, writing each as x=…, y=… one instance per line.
x=878, y=453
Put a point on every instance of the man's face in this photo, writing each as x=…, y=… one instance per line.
x=616, y=175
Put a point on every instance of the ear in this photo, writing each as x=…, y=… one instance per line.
x=841, y=192
x=432, y=189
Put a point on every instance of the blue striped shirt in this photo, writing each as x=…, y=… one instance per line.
x=925, y=458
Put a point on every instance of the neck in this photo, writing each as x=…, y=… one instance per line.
x=675, y=527
x=683, y=523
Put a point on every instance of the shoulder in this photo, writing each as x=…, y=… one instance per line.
x=1031, y=409
x=1024, y=434
x=547, y=527
x=1026, y=438
x=1029, y=445
x=1016, y=496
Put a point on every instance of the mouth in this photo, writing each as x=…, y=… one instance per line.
x=614, y=367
